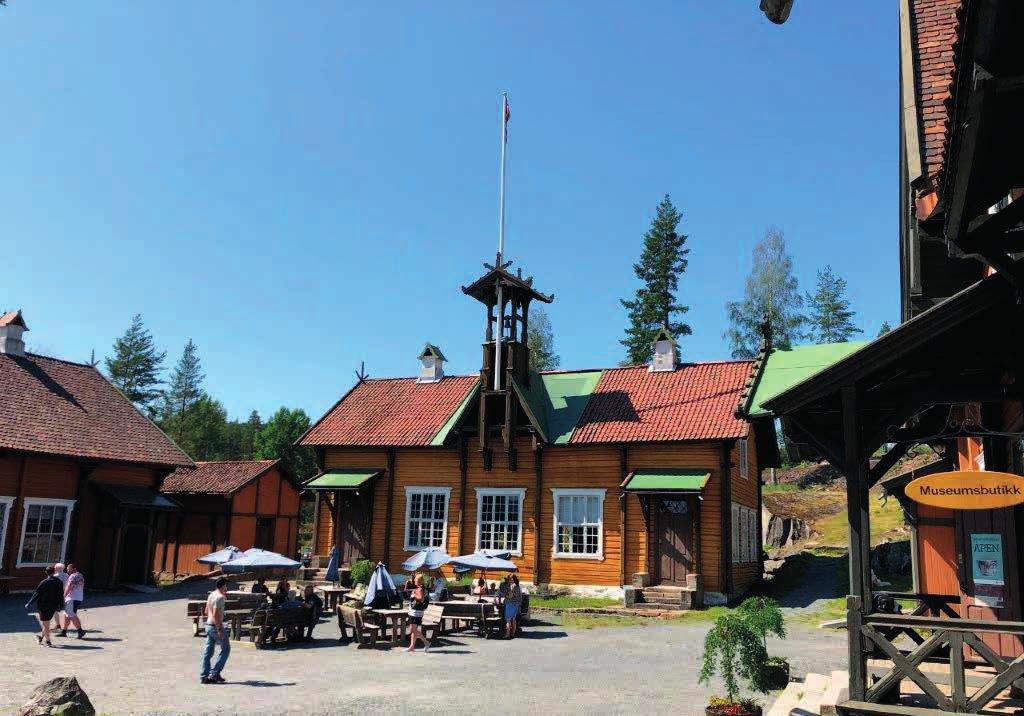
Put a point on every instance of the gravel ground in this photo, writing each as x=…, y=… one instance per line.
x=139, y=657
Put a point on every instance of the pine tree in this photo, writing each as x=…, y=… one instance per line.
x=276, y=441
x=542, y=341
x=771, y=293
x=184, y=390
x=884, y=328
x=136, y=365
x=201, y=431
x=830, y=319
x=662, y=262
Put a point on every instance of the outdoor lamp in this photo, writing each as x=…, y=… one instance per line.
x=777, y=10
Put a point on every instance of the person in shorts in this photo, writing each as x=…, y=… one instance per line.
x=74, y=594
x=418, y=601
x=49, y=598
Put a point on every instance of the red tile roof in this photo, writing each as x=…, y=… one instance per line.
x=12, y=317
x=220, y=478
x=62, y=408
x=390, y=411
x=934, y=26
x=695, y=402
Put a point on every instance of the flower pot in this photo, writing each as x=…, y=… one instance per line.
x=777, y=674
x=733, y=710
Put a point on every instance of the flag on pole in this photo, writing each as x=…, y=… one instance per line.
x=508, y=115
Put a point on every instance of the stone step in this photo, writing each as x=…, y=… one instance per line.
x=667, y=606
x=787, y=700
x=837, y=692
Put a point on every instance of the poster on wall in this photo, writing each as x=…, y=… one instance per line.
x=987, y=569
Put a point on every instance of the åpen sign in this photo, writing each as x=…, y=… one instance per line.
x=968, y=490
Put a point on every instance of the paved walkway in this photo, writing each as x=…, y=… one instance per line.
x=140, y=657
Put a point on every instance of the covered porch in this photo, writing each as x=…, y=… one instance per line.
x=346, y=496
x=948, y=376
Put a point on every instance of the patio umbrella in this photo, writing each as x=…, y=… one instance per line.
x=220, y=556
x=427, y=559
x=482, y=561
x=332, y=565
x=257, y=560
x=381, y=592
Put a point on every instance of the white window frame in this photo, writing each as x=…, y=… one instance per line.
x=9, y=501
x=409, y=492
x=744, y=459
x=558, y=493
x=30, y=501
x=482, y=492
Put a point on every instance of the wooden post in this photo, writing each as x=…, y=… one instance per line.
x=18, y=510
x=84, y=471
x=538, y=479
x=856, y=502
x=389, y=503
x=336, y=516
x=725, y=474
x=177, y=543
x=150, y=547
x=115, y=557
x=167, y=541
x=463, y=472
x=316, y=522
x=623, y=496
x=857, y=659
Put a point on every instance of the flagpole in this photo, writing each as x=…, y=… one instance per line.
x=501, y=243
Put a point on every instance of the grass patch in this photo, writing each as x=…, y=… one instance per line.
x=567, y=601
x=572, y=620
x=833, y=609
x=781, y=487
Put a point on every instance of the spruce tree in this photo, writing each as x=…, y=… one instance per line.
x=771, y=294
x=135, y=366
x=184, y=390
x=662, y=262
x=542, y=341
x=830, y=319
x=884, y=328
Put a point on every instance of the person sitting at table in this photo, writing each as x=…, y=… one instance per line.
x=480, y=588
x=281, y=594
x=312, y=601
x=285, y=604
x=260, y=586
x=491, y=589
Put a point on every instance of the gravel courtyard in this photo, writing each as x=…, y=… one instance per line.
x=140, y=657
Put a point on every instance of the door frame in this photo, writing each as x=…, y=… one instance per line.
x=693, y=510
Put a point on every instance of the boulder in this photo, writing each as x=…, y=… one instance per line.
x=784, y=531
x=62, y=695
x=891, y=558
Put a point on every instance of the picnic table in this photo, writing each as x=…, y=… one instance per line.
x=395, y=618
x=333, y=596
x=483, y=614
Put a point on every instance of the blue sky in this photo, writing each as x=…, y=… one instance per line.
x=300, y=190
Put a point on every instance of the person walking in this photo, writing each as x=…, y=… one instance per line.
x=418, y=601
x=74, y=595
x=513, y=600
x=60, y=573
x=216, y=635
x=49, y=597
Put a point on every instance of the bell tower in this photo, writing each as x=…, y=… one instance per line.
x=506, y=350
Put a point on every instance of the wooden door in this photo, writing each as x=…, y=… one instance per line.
x=353, y=541
x=675, y=542
x=264, y=533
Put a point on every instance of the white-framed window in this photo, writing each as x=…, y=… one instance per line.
x=744, y=459
x=579, y=523
x=426, y=517
x=6, y=505
x=44, y=531
x=499, y=519
x=745, y=539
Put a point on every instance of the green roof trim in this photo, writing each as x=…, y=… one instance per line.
x=785, y=367
x=555, y=401
x=442, y=435
x=343, y=478
x=667, y=480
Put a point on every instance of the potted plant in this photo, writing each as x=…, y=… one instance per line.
x=765, y=617
x=734, y=650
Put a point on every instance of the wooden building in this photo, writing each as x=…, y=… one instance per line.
x=245, y=503
x=80, y=469
x=593, y=479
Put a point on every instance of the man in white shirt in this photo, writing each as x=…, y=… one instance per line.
x=60, y=573
x=74, y=594
x=215, y=635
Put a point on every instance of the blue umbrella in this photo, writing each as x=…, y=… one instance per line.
x=381, y=592
x=498, y=562
x=428, y=559
x=220, y=556
x=256, y=559
x=332, y=565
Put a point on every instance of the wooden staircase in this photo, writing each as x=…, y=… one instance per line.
x=664, y=598
x=816, y=695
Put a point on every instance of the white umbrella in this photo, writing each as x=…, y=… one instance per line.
x=221, y=556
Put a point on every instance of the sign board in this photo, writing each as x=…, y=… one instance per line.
x=987, y=569
x=968, y=490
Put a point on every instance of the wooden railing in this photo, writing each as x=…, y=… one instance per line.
x=941, y=638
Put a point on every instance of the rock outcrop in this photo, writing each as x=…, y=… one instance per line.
x=783, y=531
x=62, y=695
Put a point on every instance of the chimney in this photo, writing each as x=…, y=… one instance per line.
x=12, y=325
x=666, y=352
x=431, y=364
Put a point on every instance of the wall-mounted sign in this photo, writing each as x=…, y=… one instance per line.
x=968, y=490
x=987, y=569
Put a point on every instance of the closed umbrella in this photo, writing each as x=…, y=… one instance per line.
x=220, y=556
x=427, y=559
x=381, y=592
x=332, y=565
x=255, y=560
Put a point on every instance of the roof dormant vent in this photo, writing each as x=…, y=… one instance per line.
x=12, y=326
x=666, y=352
x=431, y=364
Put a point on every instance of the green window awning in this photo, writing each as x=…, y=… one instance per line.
x=343, y=478
x=667, y=480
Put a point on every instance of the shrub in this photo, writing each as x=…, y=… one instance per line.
x=734, y=650
x=764, y=617
x=361, y=571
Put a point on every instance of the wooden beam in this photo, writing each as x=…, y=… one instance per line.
x=538, y=480
x=316, y=521
x=85, y=470
x=18, y=510
x=856, y=500
x=177, y=542
x=886, y=462
x=623, y=507
x=389, y=503
x=829, y=450
x=463, y=473
x=726, y=509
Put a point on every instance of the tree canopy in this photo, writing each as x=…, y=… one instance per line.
x=830, y=319
x=136, y=365
x=276, y=441
x=542, y=341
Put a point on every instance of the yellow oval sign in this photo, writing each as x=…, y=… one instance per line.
x=968, y=490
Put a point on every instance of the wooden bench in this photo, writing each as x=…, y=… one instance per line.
x=365, y=634
x=433, y=623
x=239, y=607
x=266, y=621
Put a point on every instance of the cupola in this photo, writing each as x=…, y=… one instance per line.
x=431, y=364
x=666, y=352
x=12, y=326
